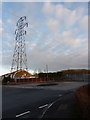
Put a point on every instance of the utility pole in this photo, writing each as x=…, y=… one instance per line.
x=19, y=61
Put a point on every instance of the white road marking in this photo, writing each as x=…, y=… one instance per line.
x=43, y=106
x=23, y=114
x=59, y=95
x=50, y=105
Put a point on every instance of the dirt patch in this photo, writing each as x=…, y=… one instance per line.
x=83, y=100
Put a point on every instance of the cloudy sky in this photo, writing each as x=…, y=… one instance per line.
x=57, y=34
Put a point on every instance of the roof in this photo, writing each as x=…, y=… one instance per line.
x=22, y=73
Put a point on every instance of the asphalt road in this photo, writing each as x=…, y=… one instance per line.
x=32, y=101
x=64, y=107
x=27, y=103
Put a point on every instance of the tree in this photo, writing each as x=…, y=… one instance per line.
x=7, y=80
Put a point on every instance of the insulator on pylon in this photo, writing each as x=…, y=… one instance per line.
x=27, y=24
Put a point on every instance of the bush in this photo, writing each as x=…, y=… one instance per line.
x=7, y=80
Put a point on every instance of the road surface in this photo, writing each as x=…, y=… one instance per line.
x=20, y=100
x=29, y=102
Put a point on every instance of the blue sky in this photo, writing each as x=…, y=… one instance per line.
x=57, y=34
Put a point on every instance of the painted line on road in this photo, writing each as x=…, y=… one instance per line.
x=59, y=95
x=50, y=105
x=43, y=106
x=23, y=114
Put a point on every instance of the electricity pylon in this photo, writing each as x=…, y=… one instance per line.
x=19, y=61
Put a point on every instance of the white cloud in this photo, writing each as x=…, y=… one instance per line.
x=63, y=18
x=31, y=45
x=48, y=9
x=59, y=12
x=70, y=17
x=84, y=22
x=77, y=42
x=58, y=43
x=62, y=14
x=1, y=29
x=0, y=22
x=7, y=35
x=53, y=25
x=68, y=38
x=4, y=70
x=10, y=21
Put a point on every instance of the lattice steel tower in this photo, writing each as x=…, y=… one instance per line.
x=19, y=57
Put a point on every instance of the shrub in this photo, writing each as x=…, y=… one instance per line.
x=7, y=80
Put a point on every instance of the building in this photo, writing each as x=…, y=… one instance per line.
x=21, y=74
